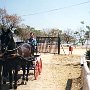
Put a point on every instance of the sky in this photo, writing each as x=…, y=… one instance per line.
x=42, y=14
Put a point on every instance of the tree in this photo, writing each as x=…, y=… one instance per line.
x=12, y=21
x=81, y=36
x=9, y=21
x=68, y=36
x=22, y=32
x=54, y=32
x=3, y=14
x=87, y=30
x=35, y=31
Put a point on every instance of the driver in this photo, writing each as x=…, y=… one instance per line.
x=32, y=41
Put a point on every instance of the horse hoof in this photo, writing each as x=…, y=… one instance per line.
x=22, y=83
x=10, y=87
x=25, y=83
x=0, y=87
x=23, y=78
x=15, y=86
x=26, y=79
x=4, y=82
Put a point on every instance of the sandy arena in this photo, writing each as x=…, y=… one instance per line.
x=59, y=72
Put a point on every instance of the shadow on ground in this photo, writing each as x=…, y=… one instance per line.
x=6, y=86
x=74, y=84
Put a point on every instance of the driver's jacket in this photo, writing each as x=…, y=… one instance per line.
x=33, y=43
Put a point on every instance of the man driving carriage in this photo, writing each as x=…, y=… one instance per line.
x=32, y=41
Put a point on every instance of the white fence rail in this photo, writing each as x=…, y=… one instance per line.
x=85, y=74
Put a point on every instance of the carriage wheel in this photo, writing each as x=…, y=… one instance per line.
x=40, y=66
x=36, y=73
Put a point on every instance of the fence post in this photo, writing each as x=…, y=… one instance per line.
x=58, y=44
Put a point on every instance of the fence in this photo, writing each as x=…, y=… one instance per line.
x=49, y=44
x=85, y=74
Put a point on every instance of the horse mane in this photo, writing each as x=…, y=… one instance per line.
x=7, y=41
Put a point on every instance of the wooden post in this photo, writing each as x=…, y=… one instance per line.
x=58, y=44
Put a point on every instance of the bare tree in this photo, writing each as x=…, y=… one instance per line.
x=54, y=32
x=68, y=36
x=3, y=14
x=8, y=21
x=12, y=21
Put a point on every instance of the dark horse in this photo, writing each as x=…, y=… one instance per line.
x=13, y=57
x=6, y=39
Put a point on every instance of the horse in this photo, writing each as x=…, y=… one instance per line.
x=25, y=52
x=13, y=57
x=0, y=74
x=7, y=43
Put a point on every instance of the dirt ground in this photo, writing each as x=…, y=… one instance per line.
x=59, y=72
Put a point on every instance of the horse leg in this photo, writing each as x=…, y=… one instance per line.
x=0, y=76
x=10, y=77
x=15, y=77
x=5, y=72
x=23, y=77
x=28, y=65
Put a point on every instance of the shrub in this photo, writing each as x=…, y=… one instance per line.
x=88, y=55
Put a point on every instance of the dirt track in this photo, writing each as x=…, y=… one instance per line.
x=60, y=72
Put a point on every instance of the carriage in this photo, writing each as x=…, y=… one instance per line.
x=17, y=56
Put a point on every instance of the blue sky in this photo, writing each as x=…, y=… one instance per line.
x=37, y=14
